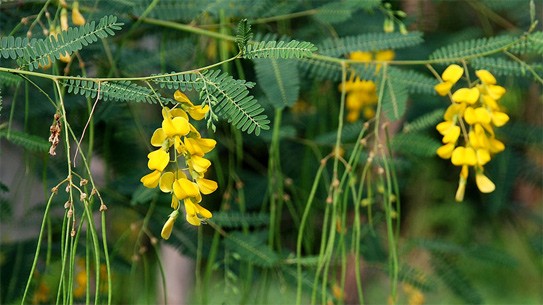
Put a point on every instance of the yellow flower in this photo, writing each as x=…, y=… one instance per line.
x=151, y=180
x=178, y=126
x=158, y=160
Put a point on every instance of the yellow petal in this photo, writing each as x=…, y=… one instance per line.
x=184, y=188
x=198, y=112
x=452, y=74
x=158, y=160
x=495, y=91
x=151, y=180
x=178, y=126
x=463, y=156
x=489, y=102
x=360, y=56
x=454, y=110
x=206, y=186
x=166, y=182
x=182, y=97
x=461, y=190
x=199, y=164
x=445, y=151
x=484, y=184
x=177, y=112
x=203, y=212
x=486, y=77
x=452, y=134
x=444, y=126
x=199, y=146
x=190, y=211
x=466, y=95
x=495, y=146
x=352, y=116
x=175, y=202
x=384, y=55
x=483, y=116
x=499, y=118
x=158, y=138
x=482, y=156
x=457, y=156
x=443, y=88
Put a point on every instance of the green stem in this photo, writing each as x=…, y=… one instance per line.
x=38, y=247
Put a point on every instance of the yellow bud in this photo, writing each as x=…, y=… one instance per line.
x=77, y=17
x=461, y=190
x=360, y=56
x=64, y=19
x=168, y=226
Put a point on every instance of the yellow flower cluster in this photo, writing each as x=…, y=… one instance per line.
x=474, y=113
x=179, y=139
x=362, y=94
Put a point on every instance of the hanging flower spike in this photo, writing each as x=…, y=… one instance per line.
x=178, y=137
x=361, y=95
x=476, y=109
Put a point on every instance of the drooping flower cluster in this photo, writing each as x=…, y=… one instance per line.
x=362, y=94
x=474, y=113
x=178, y=165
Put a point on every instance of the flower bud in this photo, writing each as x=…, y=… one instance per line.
x=77, y=17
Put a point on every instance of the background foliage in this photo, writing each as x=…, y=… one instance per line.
x=327, y=210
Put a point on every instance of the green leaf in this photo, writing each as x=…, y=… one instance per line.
x=124, y=91
x=455, y=279
x=251, y=249
x=9, y=79
x=27, y=141
x=238, y=219
x=230, y=99
x=415, y=144
x=279, y=49
x=41, y=51
x=183, y=82
x=319, y=69
x=424, y=121
x=13, y=47
x=279, y=80
x=472, y=48
x=369, y=42
x=394, y=98
x=415, y=82
x=501, y=66
x=243, y=34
